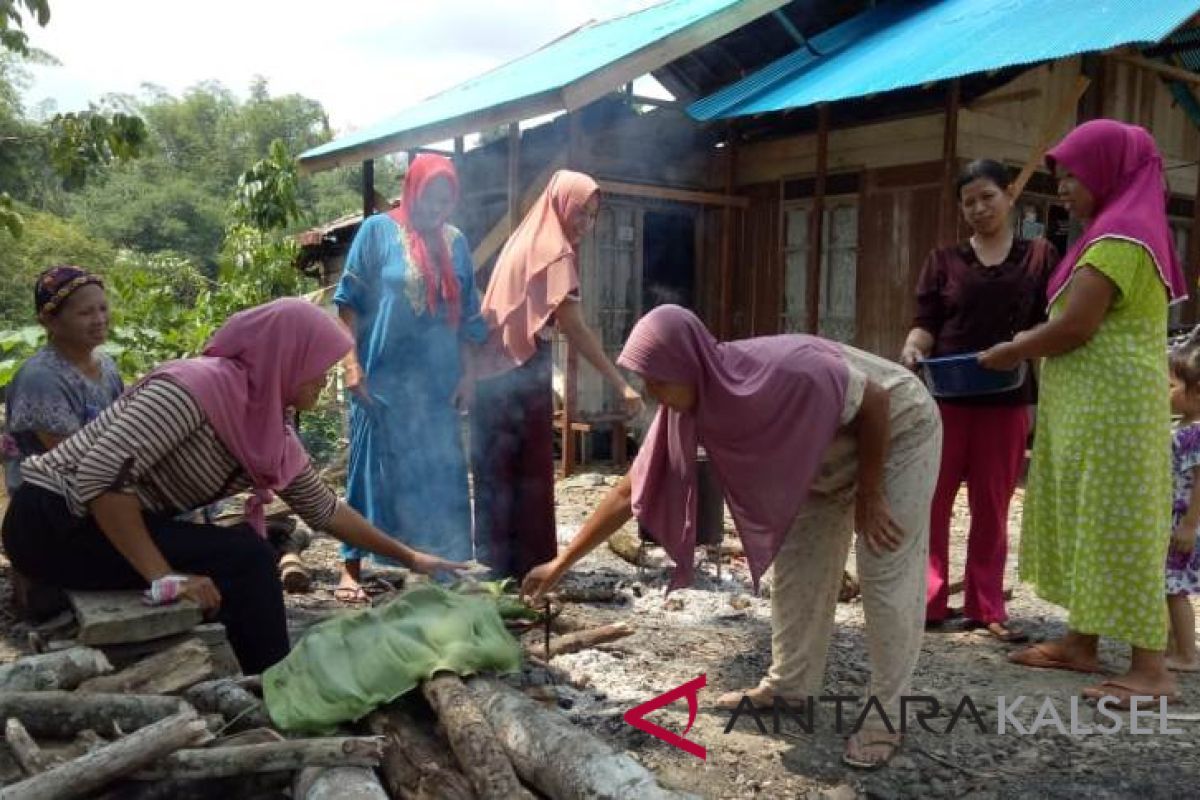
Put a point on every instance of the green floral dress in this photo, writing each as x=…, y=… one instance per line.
x=1098, y=506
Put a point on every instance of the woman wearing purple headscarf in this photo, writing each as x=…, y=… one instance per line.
x=811, y=440
x=1098, y=506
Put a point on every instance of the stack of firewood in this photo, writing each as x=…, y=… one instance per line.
x=176, y=724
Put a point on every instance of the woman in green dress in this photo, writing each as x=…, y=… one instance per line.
x=1098, y=505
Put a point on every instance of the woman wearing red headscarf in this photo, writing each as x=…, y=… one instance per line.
x=1098, y=507
x=534, y=288
x=408, y=297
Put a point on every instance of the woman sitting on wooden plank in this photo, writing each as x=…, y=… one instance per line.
x=97, y=512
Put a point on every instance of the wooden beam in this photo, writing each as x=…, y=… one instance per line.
x=678, y=195
x=948, y=215
x=1052, y=124
x=1163, y=70
x=514, y=176
x=726, y=263
x=495, y=238
x=368, y=187
x=1016, y=96
x=643, y=100
x=816, y=224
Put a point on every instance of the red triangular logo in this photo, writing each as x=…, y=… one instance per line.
x=691, y=690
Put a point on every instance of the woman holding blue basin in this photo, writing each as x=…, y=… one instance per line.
x=971, y=296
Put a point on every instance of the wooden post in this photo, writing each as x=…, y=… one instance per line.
x=725, y=323
x=514, y=175
x=1191, y=267
x=459, y=150
x=948, y=218
x=816, y=224
x=368, y=187
x=571, y=365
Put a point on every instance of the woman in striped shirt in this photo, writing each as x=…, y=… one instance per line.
x=99, y=511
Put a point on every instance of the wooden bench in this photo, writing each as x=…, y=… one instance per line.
x=615, y=423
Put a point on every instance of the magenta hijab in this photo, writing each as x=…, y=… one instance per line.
x=766, y=410
x=249, y=375
x=1120, y=165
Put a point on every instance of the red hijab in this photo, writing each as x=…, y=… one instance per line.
x=1121, y=167
x=766, y=410
x=429, y=251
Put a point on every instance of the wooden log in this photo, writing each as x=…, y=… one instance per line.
x=62, y=715
x=98, y=768
x=117, y=617
x=168, y=672
x=252, y=736
x=24, y=749
x=585, y=639
x=338, y=783
x=415, y=764
x=227, y=698
x=62, y=669
x=557, y=758
x=588, y=594
x=472, y=739
x=286, y=756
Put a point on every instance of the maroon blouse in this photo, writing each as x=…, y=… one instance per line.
x=969, y=307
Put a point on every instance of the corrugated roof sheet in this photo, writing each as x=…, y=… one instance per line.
x=535, y=83
x=902, y=44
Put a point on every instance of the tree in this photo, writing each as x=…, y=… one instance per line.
x=12, y=22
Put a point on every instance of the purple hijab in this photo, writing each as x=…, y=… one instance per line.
x=1121, y=167
x=766, y=410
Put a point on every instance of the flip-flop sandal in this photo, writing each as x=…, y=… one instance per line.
x=351, y=596
x=1123, y=694
x=1010, y=635
x=870, y=766
x=952, y=615
x=1034, y=656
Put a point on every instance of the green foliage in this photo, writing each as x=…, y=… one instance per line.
x=12, y=20
x=10, y=219
x=83, y=142
x=265, y=197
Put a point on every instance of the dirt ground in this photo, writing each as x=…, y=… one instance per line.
x=721, y=629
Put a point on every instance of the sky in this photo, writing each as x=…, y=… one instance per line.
x=364, y=60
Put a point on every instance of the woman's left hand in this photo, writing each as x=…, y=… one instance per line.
x=634, y=404
x=1001, y=357
x=873, y=521
x=432, y=565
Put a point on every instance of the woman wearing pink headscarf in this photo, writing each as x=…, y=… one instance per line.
x=811, y=440
x=1098, y=507
x=534, y=288
x=100, y=510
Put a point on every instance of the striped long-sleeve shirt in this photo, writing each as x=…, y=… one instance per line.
x=156, y=443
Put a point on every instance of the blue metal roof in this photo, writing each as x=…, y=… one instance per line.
x=902, y=44
x=618, y=50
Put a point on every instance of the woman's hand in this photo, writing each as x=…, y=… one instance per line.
x=540, y=580
x=911, y=355
x=633, y=402
x=356, y=382
x=201, y=590
x=873, y=521
x=432, y=565
x=1002, y=357
x=1183, y=538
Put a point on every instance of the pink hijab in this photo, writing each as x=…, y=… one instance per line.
x=766, y=410
x=1121, y=167
x=536, y=269
x=249, y=374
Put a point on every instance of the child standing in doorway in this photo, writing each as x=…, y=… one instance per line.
x=1183, y=560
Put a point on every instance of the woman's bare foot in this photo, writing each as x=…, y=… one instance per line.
x=349, y=590
x=1057, y=654
x=1142, y=683
x=760, y=697
x=871, y=749
x=1180, y=664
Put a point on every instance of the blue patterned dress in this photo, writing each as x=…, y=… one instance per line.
x=407, y=471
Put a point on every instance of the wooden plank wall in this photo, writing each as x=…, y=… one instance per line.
x=758, y=263
x=898, y=223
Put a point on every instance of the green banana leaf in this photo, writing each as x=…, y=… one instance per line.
x=347, y=666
